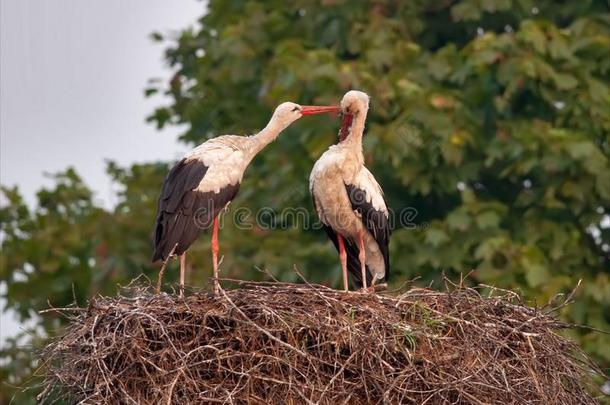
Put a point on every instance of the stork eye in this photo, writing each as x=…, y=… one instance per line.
x=295, y=109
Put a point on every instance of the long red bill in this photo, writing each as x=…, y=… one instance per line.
x=319, y=109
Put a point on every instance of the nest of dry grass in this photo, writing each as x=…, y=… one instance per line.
x=274, y=343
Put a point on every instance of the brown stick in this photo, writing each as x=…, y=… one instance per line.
x=163, y=267
x=182, y=273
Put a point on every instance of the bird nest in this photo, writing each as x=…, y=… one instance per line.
x=276, y=343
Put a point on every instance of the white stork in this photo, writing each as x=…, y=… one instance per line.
x=349, y=201
x=205, y=181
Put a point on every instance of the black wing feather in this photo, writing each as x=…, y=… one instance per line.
x=184, y=212
x=375, y=221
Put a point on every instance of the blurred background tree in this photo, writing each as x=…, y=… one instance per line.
x=489, y=127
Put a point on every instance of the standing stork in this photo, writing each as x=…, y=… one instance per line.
x=349, y=201
x=205, y=181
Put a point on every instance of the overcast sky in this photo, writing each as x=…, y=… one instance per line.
x=72, y=74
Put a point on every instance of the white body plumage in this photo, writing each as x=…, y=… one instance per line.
x=206, y=180
x=347, y=197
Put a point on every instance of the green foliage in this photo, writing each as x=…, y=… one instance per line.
x=67, y=249
x=489, y=118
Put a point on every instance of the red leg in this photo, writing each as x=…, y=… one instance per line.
x=182, y=273
x=215, y=255
x=362, y=257
x=343, y=258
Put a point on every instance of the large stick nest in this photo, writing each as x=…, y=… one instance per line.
x=273, y=343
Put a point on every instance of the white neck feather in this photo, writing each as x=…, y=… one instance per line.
x=253, y=144
x=265, y=136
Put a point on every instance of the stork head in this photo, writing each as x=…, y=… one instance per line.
x=287, y=113
x=354, y=104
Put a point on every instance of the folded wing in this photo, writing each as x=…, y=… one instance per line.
x=184, y=211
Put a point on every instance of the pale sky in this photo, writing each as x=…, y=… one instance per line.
x=72, y=75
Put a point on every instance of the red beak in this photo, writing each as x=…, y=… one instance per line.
x=318, y=109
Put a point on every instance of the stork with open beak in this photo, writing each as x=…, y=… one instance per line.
x=205, y=181
x=350, y=202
